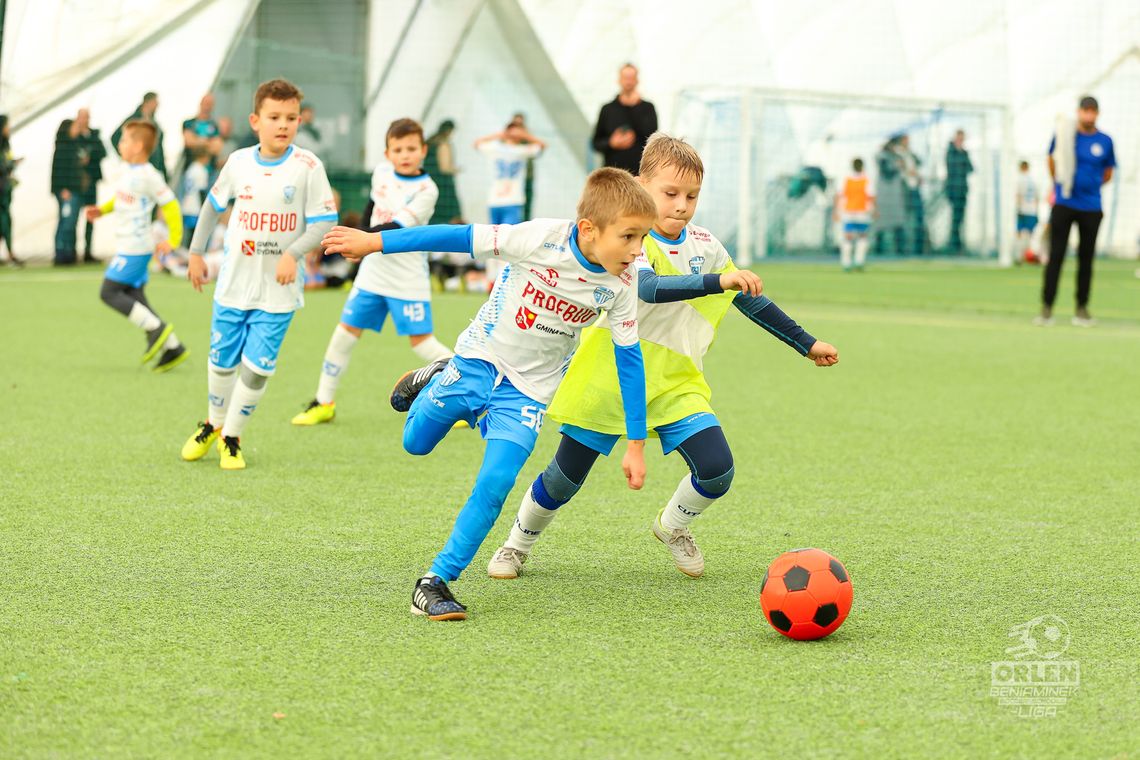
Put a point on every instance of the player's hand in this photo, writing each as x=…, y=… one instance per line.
x=743, y=280
x=92, y=213
x=286, y=269
x=354, y=245
x=633, y=464
x=163, y=247
x=196, y=271
x=823, y=354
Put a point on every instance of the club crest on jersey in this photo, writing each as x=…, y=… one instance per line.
x=695, y=264
x=602, y=296
x=450, y=376
x=290, y=193
x=524, y=318
x=248, y=248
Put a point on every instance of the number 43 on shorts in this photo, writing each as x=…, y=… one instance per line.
x=532, y=417
x=414, y=312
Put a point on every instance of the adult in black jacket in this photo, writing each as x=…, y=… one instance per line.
x=90, y=151
x=66, y=178
x=625, y=124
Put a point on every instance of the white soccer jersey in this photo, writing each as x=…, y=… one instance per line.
x=273, y=203
x=1026, y=195
x=508, y=170
x=677, y=325
x=195, y=183
x=530, y=325
x=409, y=202
x=138, y=189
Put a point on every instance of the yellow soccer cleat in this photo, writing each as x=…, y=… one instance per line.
x=196, y=447
x=171, y=358
x=316, y=413
x=155, y=340
x=230, y=450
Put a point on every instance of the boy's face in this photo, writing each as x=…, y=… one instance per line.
x=131, y=147
x=515, y=133
x=406, y=153
x=275, y=123
x=676, y=197
x=616, y=245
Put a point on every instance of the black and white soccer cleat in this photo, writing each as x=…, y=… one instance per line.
x=411, y=383
x=432, y=597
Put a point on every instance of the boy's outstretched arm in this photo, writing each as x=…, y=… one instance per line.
x=768, y=315
x=354, y=244
x=668, y=288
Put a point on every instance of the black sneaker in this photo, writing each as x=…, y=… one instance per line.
x=433, y=598
x=411, y=383
x=155, y=339
x=171, y=358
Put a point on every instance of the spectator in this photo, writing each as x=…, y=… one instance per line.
x=625, y=124
x=890, y=200
x=1080, y=161
x=197, y=132
x=440, y=164
x=224, y=144
x=308, y=136
x=915, y=208
x=145, y=112
x=958, y=168
x=65, y=181
x=1026, y=214
x=90, y=152
x=519, y=120
x=7, y=182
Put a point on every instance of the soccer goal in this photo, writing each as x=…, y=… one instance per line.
x=774, y=159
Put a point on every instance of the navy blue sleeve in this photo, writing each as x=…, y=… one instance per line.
x=445, y=238
x=655, y=288
x=631, y=378
x=768, y=315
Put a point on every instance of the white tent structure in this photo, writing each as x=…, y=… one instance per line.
x=1018, y=62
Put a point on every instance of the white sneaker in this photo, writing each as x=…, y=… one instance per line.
x=506, y=564
x=1044, y=319
x=1083, y=319
x=686, y=555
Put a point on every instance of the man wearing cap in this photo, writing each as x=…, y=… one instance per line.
x=1078, y=169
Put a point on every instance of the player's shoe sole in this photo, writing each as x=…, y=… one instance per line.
x=316, y=413
x=199, y=444
x=687, y=555
x=156, y=344
x=411, y=384
x=171, y=358
x=230, y=450
x=507, y=564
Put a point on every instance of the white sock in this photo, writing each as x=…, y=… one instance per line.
x=845, y=253
x=336, y=363
x=532, y=519
x=244, y=402
x=221, y=388
x=685, y=505
x=143, y=317
x=861, y=251
x=171, y=342
x=431, y=350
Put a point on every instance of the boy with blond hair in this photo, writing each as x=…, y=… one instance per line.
x=687, y=283
x=283, y=205
x=138, y=190
x=562, y=275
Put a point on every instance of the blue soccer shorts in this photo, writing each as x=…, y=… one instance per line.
x=250, y=336
x=366, y=310
x=129, y=269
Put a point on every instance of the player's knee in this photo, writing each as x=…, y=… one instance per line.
x=494, y=485
x=552, y=488
x=416, y=445
x=110, y=292
x=716, y=486
x=253, y=380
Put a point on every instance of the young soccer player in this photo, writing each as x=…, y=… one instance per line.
x=195, y=185
x=283, y=205
x=138, y=190
x=686, y=282
x=854, y=206
x=403, y=195
x=509, y=151
x=1027, y=200
x=511, y=358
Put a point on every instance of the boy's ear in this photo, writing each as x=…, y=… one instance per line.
x=585, y=228
x=253, y=120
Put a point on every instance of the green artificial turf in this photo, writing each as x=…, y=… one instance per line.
x=972, y=471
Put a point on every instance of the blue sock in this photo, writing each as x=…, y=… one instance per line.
x=501, y=465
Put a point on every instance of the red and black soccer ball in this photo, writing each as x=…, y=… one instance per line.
x=806, y=594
